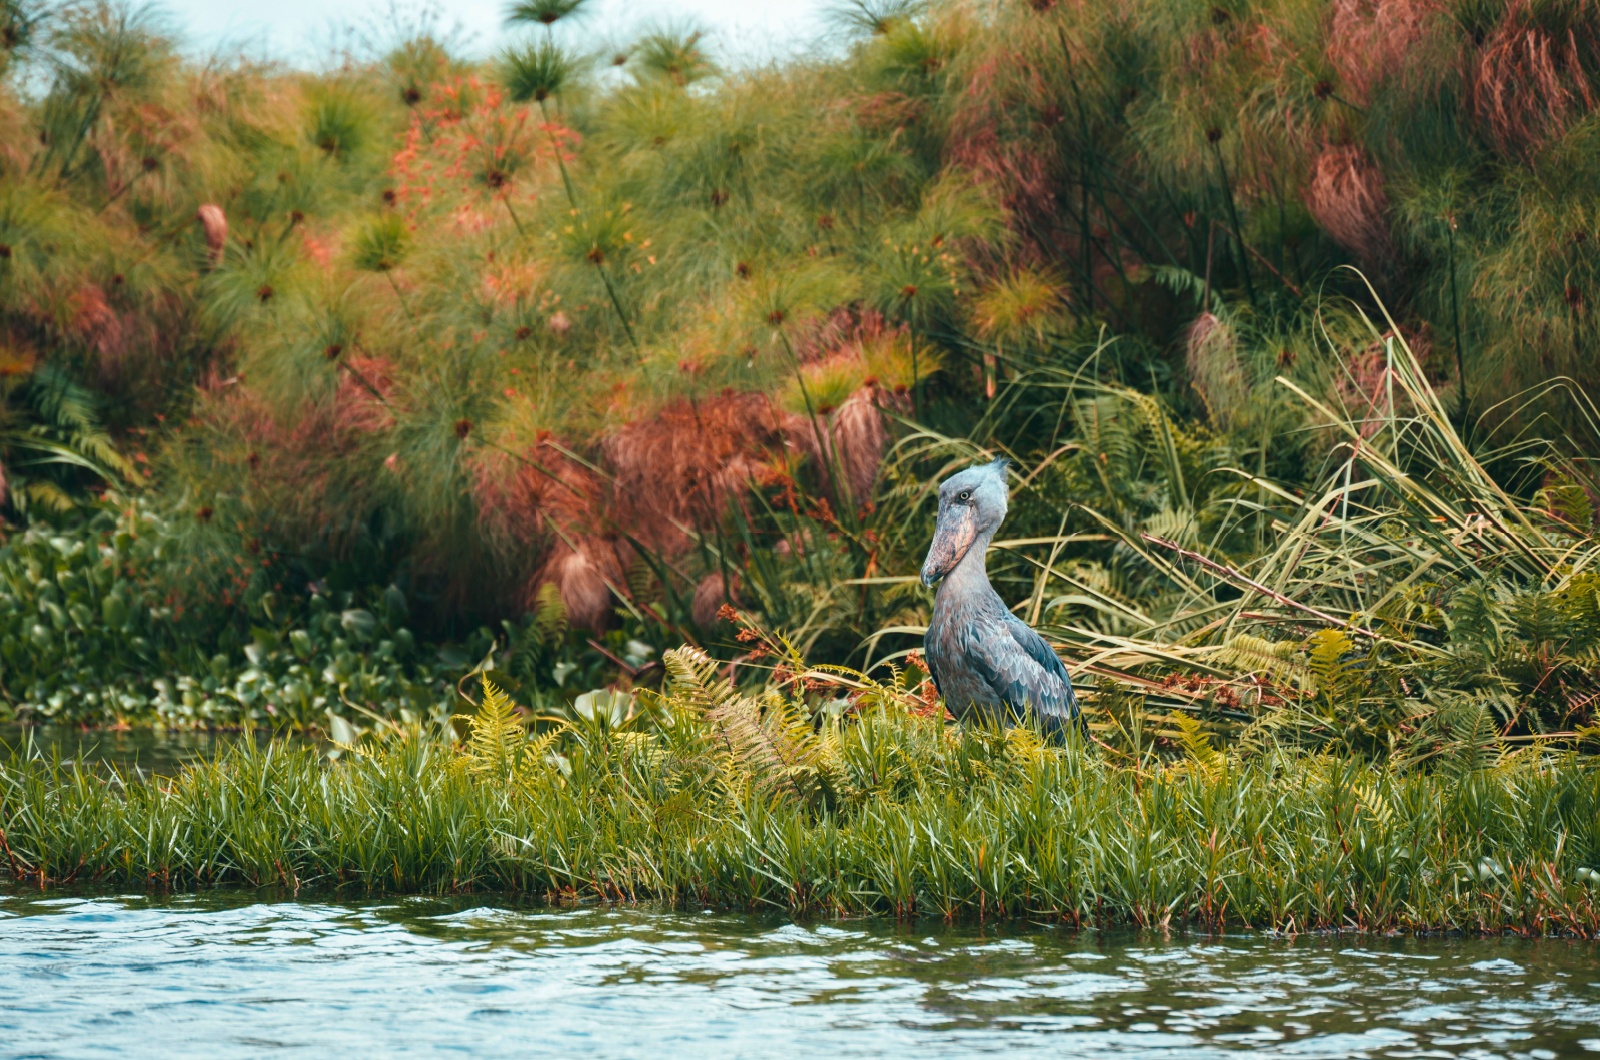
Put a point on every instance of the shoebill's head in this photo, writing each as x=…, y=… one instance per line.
x=972, y=505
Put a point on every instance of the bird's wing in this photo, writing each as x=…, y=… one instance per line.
x=933, y=671
x=1024, y=671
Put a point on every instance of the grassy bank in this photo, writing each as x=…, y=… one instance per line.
x=699, y=797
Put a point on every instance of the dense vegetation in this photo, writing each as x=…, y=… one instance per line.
x=546, y=358
x=705, y=796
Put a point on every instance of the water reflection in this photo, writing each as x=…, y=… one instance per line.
x=159, y=751
x=229, y=975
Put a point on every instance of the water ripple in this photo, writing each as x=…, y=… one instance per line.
x=222, y=975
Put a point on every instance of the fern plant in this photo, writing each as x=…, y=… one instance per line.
x=497, y=737
x=1200, y=757
x=52, y=442
x=765, y=743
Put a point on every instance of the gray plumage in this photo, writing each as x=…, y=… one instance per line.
x=984, y=659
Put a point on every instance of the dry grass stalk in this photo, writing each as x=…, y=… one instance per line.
x=215, y=224
x=1369, y=388
x=1214, y=368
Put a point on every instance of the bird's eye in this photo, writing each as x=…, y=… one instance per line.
x=964, y=495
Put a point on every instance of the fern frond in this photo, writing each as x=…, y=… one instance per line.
x=1201, y=757
x=496, y=736
x=1373, y=801
x=69, y=410
x=770, y=741
x=694, y=682
x=1328, y=659
x=1257, y=654
x=540, y=746
x=549, y=615
x=47, y=495
x=1475, y=740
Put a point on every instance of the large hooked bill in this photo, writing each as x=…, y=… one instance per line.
x=952, y=538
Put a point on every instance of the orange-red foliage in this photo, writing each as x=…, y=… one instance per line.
x=582, y=575
x=1019, y=166
x=469, y=143
x=860, y=437
x=298, y=461
x=854, y=436
x=851, y=438
x=683, y=466
x=1529, y=83
x=1345, y=194
x=94, y=322
x=673, y=472
x=711, y=597
x=1372, y=41
x=366, y=387
x=548, y=511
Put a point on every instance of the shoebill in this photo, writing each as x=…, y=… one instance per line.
x=984, y=660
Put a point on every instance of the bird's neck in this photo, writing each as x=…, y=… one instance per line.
x=971, y=574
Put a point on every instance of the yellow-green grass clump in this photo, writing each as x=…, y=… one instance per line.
x=704, y=796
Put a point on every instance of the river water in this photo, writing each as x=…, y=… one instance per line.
x=222, y=975
x=159, y=751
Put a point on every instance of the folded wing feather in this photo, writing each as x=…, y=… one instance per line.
x=1023, y=671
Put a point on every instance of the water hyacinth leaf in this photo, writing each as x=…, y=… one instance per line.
x=604, y=705
x=342, y=732
x=395, y=607
x=358, y=622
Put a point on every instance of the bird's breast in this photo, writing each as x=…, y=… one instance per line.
x=942, y=641
x=953, y=631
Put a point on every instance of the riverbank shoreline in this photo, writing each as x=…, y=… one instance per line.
x=912, y=821
x=234, y=894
